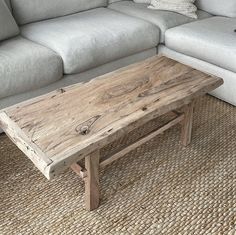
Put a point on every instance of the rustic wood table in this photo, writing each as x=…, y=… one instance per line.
x=59, y=129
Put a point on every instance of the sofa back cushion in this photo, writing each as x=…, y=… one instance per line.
x=218, y=7
x=8, y=2
x=8, y=26
x=28, y=11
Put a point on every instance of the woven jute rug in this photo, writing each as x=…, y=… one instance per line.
x=160, y=188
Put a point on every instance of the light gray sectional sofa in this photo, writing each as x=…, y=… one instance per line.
x=47, y=44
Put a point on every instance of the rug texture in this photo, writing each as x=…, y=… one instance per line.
x=160, y=188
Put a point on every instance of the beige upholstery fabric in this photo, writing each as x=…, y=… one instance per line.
x=212, y=40
x=27, y=11
x=218, y=7
x=92, y=38
x=162, y=19
x=8, y=2
x=25, y=66
x=8, y=26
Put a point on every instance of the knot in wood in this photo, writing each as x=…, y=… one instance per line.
x=84, y=130
x=140, y=95
x=62, y=90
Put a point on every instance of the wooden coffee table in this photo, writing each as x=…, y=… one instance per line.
x=59, y=129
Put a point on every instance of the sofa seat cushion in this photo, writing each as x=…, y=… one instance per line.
x=25, y=66
x=163, y=19
x=212, y=40
x=92, y=38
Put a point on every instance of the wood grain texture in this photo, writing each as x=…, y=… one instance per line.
x=36, y=155
x=142, y=140
x=92, y=181
x=80, y=171
x=186, y=132
x=72, y=122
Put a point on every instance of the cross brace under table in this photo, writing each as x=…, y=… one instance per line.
x=90, y=173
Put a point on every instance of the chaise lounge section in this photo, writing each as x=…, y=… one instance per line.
x=216, y=44
x=207, y=44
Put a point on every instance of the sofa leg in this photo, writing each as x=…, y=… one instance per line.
x=92, y=181
x=186, y=132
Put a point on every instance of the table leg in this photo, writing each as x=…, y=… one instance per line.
x=92, y=181
x=186, y=132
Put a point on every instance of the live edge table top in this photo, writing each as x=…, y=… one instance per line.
x=62, y=127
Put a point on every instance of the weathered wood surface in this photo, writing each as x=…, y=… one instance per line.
x=92, y=181
x=80, y=171
x=142, y=140
x=68, y=124
x=19, y=138
x=186, y=132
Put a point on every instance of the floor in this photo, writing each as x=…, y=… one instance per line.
x=160, y=188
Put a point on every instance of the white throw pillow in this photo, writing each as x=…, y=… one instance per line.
x=143, y=1
x=184, y=7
